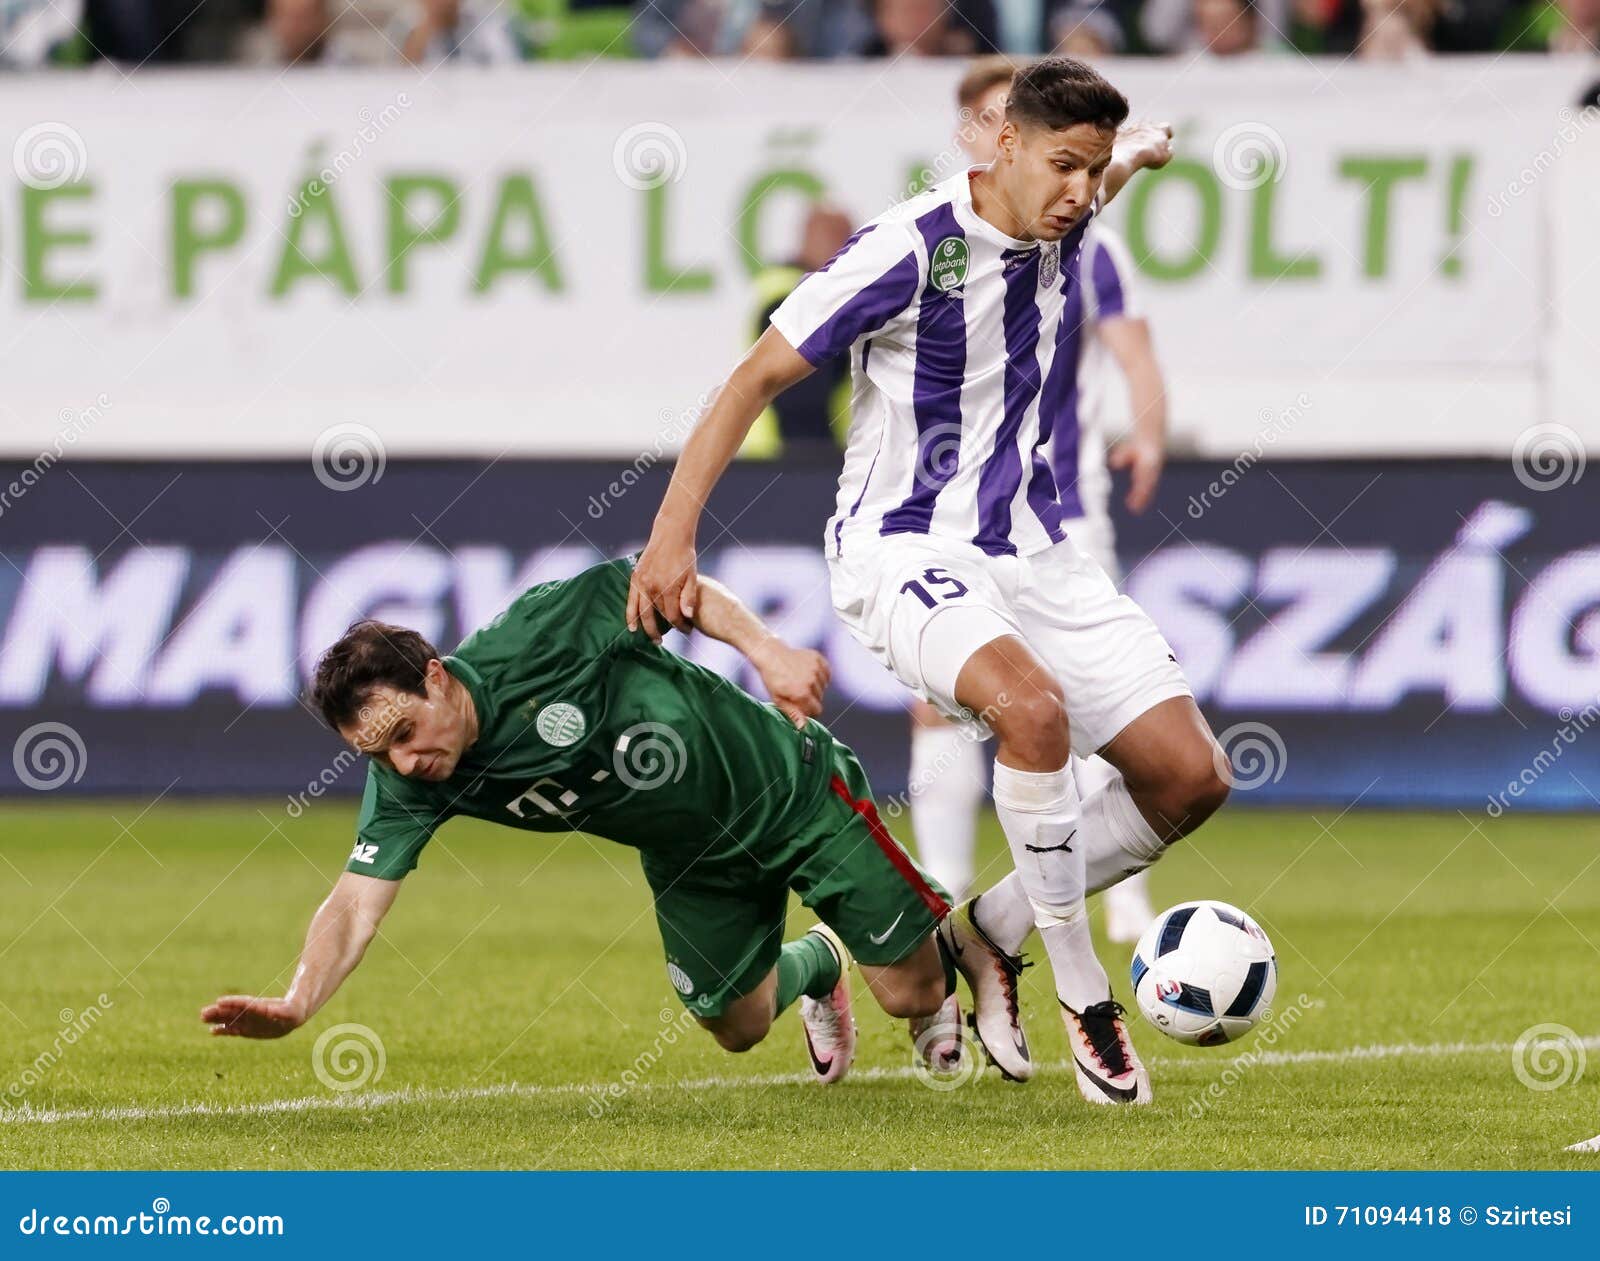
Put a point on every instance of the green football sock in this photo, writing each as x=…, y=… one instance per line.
x=808, y=967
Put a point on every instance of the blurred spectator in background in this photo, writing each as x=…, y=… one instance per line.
x=36, y=33
x=682, y=28
x=1219, y=27
x=1396, y=30
x=1226, y=28
x=811, y=418
x=768, y=38
x=1557, y=26
x=820, y=28
x=381, y=32
x=933, y=28
x=475, y=31
x=1083, y=28
x=1323, y=26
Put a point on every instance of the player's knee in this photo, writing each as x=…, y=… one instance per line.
x=1033, y=726
x=913, y=996
x=1194, y=791
x=737, y=1035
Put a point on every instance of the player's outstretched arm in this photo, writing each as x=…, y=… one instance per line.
x=795, y=677
x=340, y=932
x=1139, y=147
x=664, y=579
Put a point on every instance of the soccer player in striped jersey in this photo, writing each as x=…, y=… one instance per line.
x=948, y=553
x=1114, y=346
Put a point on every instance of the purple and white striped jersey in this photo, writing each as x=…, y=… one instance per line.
x=955, y=333
x=1099, y=290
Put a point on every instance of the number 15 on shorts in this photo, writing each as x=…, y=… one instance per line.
x=935, y=586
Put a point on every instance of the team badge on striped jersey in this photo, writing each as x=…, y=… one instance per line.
x=1049, y=265
x=947, y=266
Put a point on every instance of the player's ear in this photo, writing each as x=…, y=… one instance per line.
x=433, y=675
x=1007, y=141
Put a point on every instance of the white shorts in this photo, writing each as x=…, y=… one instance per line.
x=924, y=605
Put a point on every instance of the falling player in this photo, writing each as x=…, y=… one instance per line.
x=554, y=718
x=1104, y=325
x=948, y=555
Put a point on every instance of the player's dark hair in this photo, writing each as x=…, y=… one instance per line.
x=1059, y=92
x=369, y=655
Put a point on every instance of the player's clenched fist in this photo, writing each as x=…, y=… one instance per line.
x=664, y=579
x=1149, y=145
x=795, y=678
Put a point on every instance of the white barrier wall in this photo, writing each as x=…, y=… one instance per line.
x=1355, y=259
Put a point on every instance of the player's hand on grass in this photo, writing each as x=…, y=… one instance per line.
x=1144, y=459
x=246, y=1016
x=795, y=678
x=1149, y=145
x=664, y=582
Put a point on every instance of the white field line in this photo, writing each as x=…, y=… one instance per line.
x=367, y=1100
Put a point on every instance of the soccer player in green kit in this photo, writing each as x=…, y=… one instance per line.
x=556, y=718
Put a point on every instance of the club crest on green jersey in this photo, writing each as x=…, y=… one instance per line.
x=680, y=979
x=947, y=265
x=561, y=724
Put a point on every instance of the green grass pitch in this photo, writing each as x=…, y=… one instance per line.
x=526, y=1019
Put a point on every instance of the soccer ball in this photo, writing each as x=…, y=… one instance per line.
x=1204, y=973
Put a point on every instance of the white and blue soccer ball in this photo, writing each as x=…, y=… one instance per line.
x=1204, y=973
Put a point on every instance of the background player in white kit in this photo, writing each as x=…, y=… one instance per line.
x=947, y=765
x=948, y=555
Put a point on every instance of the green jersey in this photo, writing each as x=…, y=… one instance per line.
x=585, y=726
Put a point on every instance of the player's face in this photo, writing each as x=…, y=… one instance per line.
x=1051, y=178
x=979, y=136
x=420, y=737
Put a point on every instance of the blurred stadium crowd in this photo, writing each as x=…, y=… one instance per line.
x=35, y=33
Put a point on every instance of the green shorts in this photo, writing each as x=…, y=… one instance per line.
x=722, y=930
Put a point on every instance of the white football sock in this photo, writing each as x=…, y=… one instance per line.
x=1117, y=840
x=1005, y=914
x=946, y=794
x=1040, y=816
